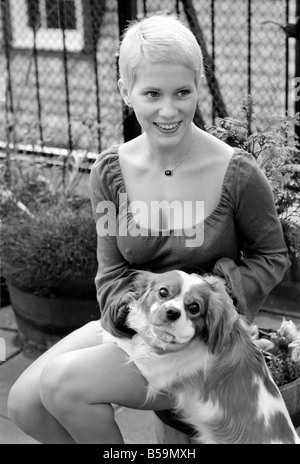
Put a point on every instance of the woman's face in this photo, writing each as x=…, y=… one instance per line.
x=164, y=98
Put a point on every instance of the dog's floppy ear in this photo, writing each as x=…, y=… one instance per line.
x=143, y=282
x=220, y=318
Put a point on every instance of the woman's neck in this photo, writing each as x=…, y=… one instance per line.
x=168, y=155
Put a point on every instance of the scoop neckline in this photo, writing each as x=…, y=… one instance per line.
x=195, y=226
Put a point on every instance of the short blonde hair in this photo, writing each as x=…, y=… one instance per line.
x=158, y=38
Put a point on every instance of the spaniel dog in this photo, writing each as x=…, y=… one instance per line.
x=219, y=380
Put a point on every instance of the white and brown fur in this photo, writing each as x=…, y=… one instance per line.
x=219, y=380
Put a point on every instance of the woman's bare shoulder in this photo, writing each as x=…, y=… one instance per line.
x=132, y=148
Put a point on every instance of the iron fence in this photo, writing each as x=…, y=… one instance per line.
x=58, y=60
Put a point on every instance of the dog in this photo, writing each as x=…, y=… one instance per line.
x=219, y=380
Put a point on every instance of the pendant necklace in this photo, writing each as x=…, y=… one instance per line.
x=169, y=172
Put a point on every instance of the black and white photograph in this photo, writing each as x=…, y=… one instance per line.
x=149, y=224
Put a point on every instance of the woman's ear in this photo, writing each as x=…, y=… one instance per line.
x=124, y=92
x=200, y=83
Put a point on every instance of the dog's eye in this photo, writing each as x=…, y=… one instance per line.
x=194, y=308
x=163, y=292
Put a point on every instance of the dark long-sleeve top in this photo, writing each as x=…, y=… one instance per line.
x=242, y=238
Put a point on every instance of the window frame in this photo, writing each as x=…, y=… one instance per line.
x=46, y=38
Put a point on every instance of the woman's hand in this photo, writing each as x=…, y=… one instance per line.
x=119, y=311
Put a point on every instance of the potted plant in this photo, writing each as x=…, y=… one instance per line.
x=48, y=247
x=281, y=349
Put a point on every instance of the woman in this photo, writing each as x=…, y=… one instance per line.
x=173, y=198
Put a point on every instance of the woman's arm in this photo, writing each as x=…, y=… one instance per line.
x=114, y=276
x=261, y=240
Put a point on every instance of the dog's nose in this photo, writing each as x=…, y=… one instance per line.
x=173, y=314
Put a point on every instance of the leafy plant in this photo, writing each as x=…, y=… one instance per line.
x=283, y=368
x=274, y=148
x=58, y=243
x=281, y=349
x=48, y=234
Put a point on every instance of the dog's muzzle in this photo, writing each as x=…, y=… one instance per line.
x=172, y=314
x=164, y=315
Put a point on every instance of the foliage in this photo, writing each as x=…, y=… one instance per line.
x=274, y=148
x=40, y=252
x=48, y=234
x=283, y=368
x=281, y=350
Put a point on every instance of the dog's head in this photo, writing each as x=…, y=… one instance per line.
x=184, y=306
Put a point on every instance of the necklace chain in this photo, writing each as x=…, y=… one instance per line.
x=169, y=172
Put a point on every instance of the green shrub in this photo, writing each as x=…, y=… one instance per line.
x=58, y=242
x=283, y=368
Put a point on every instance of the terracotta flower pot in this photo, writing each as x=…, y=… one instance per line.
x=43, y=321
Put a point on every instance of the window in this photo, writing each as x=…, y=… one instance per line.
x=33, y=13
x=60, y=13
x=48, y=18
x=51, y=14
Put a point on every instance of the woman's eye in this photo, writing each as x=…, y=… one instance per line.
x=163, y=292
x=183, y=93
x=194, y=308
x=152, y=95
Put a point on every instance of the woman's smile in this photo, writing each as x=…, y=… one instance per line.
x=164, y=98
x=168, y=128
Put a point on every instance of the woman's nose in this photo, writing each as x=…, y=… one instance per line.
x=168, y=110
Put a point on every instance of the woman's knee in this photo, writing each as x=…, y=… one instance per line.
x=60, y=390
x=24, y=406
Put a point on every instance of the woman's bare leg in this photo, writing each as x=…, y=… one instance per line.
x=28, y=411
x=24, y=403
x=79, y=387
